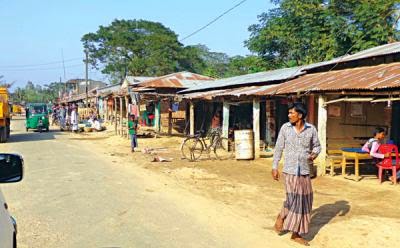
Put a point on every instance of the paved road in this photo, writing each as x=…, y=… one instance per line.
x=72, y=196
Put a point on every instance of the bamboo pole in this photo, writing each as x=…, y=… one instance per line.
x=256, y=127
x=120, y=115
x=322, y=123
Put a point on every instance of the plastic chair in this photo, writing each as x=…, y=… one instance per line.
x=388, y=163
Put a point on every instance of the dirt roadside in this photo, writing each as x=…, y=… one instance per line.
x=346, y=213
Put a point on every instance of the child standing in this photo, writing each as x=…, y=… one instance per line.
x=132, y=126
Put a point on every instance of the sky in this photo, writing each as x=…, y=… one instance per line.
x=38, y=35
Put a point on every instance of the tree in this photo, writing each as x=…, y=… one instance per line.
x=3, y=83
x=192, y=59
x=301, y=32
x=136, y=47
x=206, y=62
x=201, y=60
x=239, y=65
x=37, y=93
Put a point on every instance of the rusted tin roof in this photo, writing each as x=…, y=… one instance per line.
x=236, y=92
x=134, y=80
x=253, y=78
x=175, y=80
x=387, y=49
x=385, y=76
x=290, y=73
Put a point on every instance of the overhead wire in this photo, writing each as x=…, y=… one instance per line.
x=17, y=67
x=213, y=20
x=41, y=64
x=41, y=69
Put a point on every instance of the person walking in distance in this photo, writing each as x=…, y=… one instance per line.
x=132, y=126
x=298, y=140
x=62, y=116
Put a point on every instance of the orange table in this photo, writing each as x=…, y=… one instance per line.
x=356, y=156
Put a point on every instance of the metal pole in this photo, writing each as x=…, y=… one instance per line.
x=86, y=75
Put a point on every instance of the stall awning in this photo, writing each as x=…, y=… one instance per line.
x=369, y=78
x=236, y=92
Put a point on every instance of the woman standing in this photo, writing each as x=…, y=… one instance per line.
x=74, y=118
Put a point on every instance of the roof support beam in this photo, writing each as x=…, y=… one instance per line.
x=351, y=99
x=191, y=114
x=256, y=127
x=225, y=118
x=322, y=123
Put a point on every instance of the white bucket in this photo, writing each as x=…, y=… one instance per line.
x=244, y=144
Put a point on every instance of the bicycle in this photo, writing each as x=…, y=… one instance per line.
x=193, y=146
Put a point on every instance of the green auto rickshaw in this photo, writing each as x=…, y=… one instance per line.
x=37, y=117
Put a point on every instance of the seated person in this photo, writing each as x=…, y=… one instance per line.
x=90, y=121
x=372, y=145
x=97, y=125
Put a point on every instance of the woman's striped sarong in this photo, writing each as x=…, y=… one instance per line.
x=298, y=204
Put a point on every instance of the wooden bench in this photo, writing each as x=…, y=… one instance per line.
x=334, y=152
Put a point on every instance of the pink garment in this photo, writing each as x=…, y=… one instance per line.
x=134, y=110
x=374, y=150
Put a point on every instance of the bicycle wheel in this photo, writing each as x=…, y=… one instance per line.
x=192, y=149
x=224, y=148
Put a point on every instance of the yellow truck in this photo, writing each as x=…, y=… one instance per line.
x=4, y=115
x=16, y=109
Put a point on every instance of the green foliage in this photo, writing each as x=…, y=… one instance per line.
x=240, y=65
x=4, y=84
x=144, y=48
x=36, y=93
x=301, y=32
x=135, y=47
x=219, y=65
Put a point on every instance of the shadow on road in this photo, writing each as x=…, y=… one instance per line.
x=32, y=136
x=324, y=214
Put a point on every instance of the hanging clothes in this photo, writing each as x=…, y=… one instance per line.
x=135, y=98
x=129, y=108
x=175, y=107
x=134, y=109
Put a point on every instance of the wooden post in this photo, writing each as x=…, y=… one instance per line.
x=115, y=115
x=256, y=127
x=311, y=110
x=170, y=117
x=225, y=119
x=268, y=138
x=107, y=109
x=127, y=116
x=120, y=116
x=322, y=122
x=191, y=114
x=157, y=117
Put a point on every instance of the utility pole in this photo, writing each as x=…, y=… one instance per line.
x=86, y=75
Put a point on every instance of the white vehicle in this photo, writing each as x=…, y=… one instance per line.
x=11, y=170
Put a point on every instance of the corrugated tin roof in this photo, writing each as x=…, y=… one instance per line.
x=174, y=80
x=142, y=89
x=114, y=87
x=259, y=77
x=203, y=94
x=133, y=80
x=289, y=73
x=237, y=92
x=385, y=76
x=372, y=52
